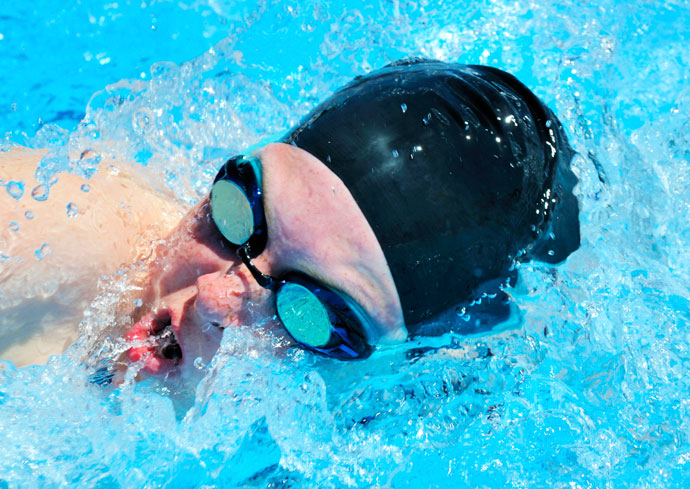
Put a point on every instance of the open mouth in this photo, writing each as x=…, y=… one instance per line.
x=166, y=345
x=154, y=342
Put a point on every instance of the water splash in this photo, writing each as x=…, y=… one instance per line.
x=590, y=392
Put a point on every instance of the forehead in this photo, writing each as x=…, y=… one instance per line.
x=316, y=227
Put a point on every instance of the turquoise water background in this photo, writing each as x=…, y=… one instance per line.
x=590, y=389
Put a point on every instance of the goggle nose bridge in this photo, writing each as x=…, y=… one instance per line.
x=265, y=281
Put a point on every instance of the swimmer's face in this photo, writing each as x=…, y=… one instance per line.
x=198, y=286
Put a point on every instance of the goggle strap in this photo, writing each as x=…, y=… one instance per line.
x=265, y=281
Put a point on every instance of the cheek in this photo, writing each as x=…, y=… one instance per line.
x=232, y=299
x=193, y=249
x=183, y=266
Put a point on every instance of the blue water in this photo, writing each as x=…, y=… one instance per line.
x=591, y=389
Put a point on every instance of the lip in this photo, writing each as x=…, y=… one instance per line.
x=155, y=342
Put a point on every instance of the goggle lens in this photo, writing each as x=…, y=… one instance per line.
x=232, y=212
x=303, y=315
x=314, y=315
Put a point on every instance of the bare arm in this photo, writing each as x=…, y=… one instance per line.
x=52, y=252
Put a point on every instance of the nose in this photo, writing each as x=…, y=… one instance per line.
x=224, y=299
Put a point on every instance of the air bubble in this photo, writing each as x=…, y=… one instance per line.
x=14, y=226
x=138, y=303
x=40, y=192
x=199, y=363
x=44, y=251
x=15, y=189
x=548, y=123
x=85, y=187
x=72, y=210
x=395, y=153
x=29, y=215
x=403, y=107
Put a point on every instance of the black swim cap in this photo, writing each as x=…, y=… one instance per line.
x=458, y=169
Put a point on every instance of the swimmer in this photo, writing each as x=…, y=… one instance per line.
x=412, y=190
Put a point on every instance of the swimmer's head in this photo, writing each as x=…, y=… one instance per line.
x=199, y=284
x=403, y=194
x=458, y=170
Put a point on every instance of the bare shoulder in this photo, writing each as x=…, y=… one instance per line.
x=53, y=250
x=109, y=213
x=19, y=163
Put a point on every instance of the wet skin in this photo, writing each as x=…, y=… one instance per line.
x=112, y=224
x=198, y=286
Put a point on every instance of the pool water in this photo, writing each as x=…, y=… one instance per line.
x=589, y=389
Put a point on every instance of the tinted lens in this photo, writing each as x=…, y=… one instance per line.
x=303, y=315
x=232, y=212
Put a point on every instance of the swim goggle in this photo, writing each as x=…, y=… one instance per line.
x=318, y=317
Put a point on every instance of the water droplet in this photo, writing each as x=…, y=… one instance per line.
x=15, y=189
x=29, y=215
x=461, y=312
x=307, y=27
x=403, y=107
x=85, y=187
x=141, y=121
x=199, y=363
x=44, y=251
x=395, y=153
x=40, y=192
x=162, y=68
x=138, y=303
x=72, y=210
x=14, y=226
